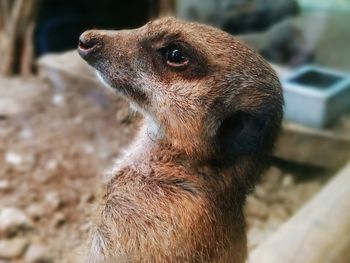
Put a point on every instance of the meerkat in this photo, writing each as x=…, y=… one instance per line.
x=212, y=110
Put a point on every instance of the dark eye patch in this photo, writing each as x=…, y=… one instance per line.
x=172, y=53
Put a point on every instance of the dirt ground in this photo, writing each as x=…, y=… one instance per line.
x=55, y=146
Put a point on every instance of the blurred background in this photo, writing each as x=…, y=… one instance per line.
x=60, y=129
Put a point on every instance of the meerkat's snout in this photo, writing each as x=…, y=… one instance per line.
x=90, y=43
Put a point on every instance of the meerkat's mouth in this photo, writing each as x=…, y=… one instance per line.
x=130, y=93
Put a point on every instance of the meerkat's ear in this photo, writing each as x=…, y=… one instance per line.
x=245, y=134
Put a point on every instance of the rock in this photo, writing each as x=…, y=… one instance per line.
x=256, y=208
x=13, y=248
x=59, y=220
x=5, y=131
x=37, y=253
x=13, y=158
x=87, y=198
x=85, y=227
x=42, y=176
x=21, y=163
x=26, y=134
x=288, y=181
x=279, y=212
x=53, y=201
x=13, y=220
x=28, y=164
x=51, y=165
x=58, y=99
x=4, y=185
x=123, y=115
x=88, y=148
x=57, y=68
x=273, y=178
x=36, y=211
x=260, y=192
x=9, y=108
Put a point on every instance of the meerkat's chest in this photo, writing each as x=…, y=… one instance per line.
x=163, y=220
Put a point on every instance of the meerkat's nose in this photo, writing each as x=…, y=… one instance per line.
x=89, y=43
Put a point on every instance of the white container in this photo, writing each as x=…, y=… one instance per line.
x=316, y=96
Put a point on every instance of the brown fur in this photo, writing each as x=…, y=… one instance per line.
x=177, y=194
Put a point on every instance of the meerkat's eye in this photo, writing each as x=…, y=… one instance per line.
x=175, y=56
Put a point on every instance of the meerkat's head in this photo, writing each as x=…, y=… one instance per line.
x=200, y=89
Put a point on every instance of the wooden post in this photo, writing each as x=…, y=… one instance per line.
x=317, y=148
x=16, y=35
x=318, y=233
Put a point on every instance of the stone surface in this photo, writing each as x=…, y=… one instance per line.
x=123, y=115
x=13, y=158
x=37, y=253
x=53, y=201
x=12, y=248
x=13, y=220
x=288, y=181
x=52, y=66
x=87, y=198
x=256, y=208
x=273, y=178
x=36, y=211
x=4, y=185
x=9, y=108
x=59, y=219
x=260, y=192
